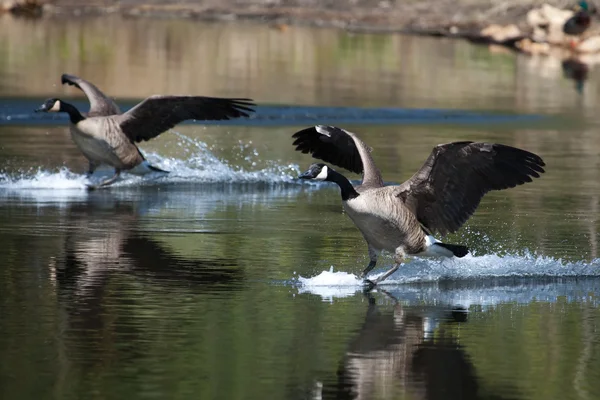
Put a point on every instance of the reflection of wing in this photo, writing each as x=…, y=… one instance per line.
x=150, y=259
x=97, y=247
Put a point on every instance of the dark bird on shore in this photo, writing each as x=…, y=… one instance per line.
x=106, y=136
x=438, y=198
x=580, y=21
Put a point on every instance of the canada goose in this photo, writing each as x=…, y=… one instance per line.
x=109, y=139
x=439, y=198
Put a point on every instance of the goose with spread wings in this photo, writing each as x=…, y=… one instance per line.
x=437, y=199
x=107, y=138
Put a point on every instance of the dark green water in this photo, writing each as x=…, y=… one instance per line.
x=229, y=279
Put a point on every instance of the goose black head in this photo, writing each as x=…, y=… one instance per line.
x=322, y=172
x=317, y=171
x=56, y=105
x=50, y=105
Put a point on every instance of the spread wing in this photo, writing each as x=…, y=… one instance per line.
x=340, y=148
x=100, y=104
x=447, y=189
x=157, y=113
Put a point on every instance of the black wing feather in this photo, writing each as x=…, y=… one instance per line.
x=157, y=114
x=100, y=104
x=332, y=145
x=448, y=188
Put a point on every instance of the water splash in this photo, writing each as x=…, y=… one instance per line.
x=487, y=268
x=330, y=284
x=201, y=166
x=63, y=179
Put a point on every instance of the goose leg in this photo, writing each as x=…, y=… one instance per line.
x=373, y=257
x=387, y=274
x=91, y=168
x=397, y=262
x=106, y=182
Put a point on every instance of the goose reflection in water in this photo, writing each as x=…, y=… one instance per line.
x=97, y=245
x=99, y=271
x=394, y=355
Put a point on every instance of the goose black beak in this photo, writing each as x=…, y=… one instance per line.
x=41, y=109
x=314, y=172
x=306, y=175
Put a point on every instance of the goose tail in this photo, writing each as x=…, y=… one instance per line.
x=156, y=169
x=145, y=168
x=457, y=250
x=435, y=248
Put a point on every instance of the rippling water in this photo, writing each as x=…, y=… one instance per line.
x=228, y=278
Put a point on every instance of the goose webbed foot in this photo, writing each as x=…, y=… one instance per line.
x=106, y=182
x=387, y=274
x=373, y=282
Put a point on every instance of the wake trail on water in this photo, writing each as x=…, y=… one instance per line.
x=201, y=166
x=330, y=284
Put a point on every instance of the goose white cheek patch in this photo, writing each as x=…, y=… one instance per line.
x=322, y=175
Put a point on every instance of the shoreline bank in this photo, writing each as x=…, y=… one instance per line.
x=463, y=18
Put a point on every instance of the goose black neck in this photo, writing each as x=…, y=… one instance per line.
x=346, y=187
x=74, y=114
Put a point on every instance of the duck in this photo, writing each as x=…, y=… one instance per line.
x=580, y=21
x=438, y=199
x=107, y=138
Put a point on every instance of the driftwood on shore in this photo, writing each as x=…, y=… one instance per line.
x=390, y=15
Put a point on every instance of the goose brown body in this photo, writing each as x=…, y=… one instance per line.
x=385, y=223
x=109, y=148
